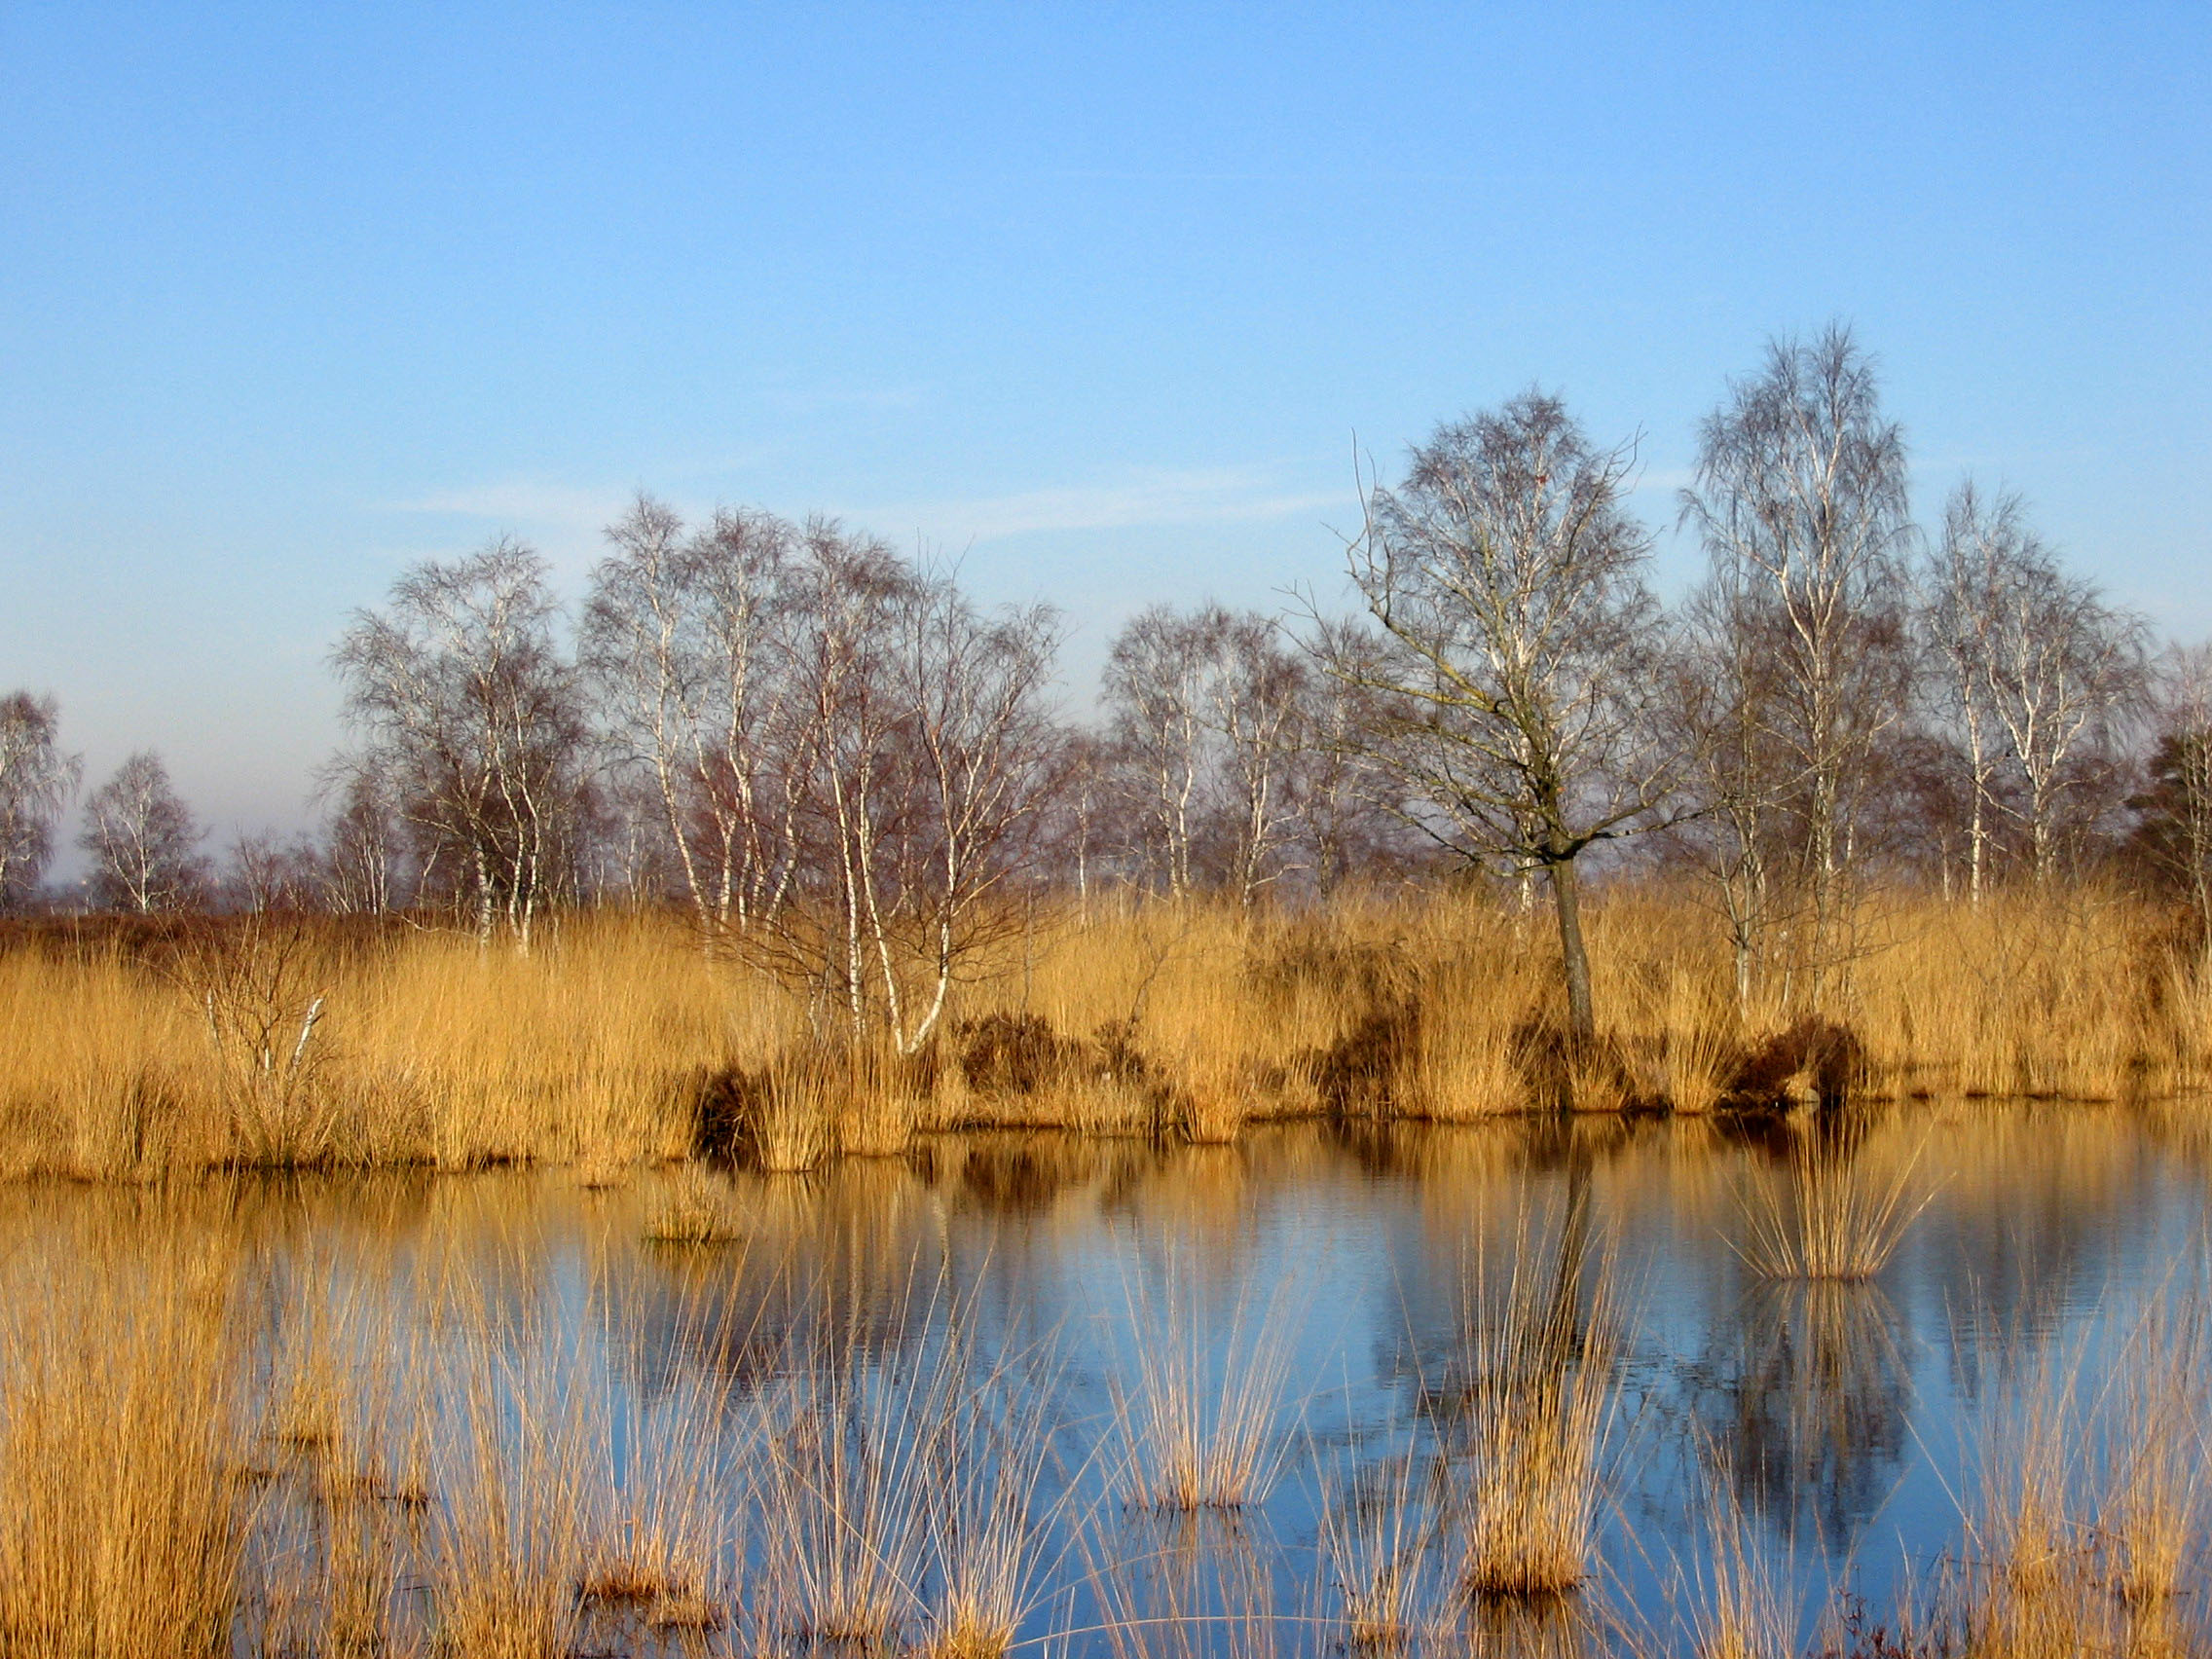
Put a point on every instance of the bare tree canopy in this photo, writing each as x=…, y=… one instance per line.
x=36, y=780
x=686, y=639
x=472, y=723
x=2174, y=828
x=1209, y=717
x=2037, y=674
x=1513, y=650
x=1801, y=496
x=143, y=840
x=847, y=758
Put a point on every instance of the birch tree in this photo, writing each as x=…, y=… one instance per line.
x=2175, y=824
x=1154, y=689
x=2038, y=671
x=143, y=841
x=37, y=778
x=686, y=638
x=468, y=710
x=1801, y=496
x=1513, y=650
x=1983, y=542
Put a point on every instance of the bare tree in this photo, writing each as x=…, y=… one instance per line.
x=1800, y=496
x=686, y=639
x=1256, y=705
x=1515, y=650
x=36, y=781
x=2040, y=671
x=912, y=758
x=364, y=855
x=269, y=873
x=2174, y=831
x=1350, y=812
x=1982, y=543
x=1207, y=711
x=984, y=745
x=143, y=840
x=471, y=716
x=1720, y=689
x=1155, y=691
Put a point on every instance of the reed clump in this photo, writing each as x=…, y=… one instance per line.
x=698, y=1209
x=1195, y=1418
x=1535, y=1405
x=122, y=1524
x=1838, y=1211
x=1375, y=1533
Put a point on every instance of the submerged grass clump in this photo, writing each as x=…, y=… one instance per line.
x=1195, y=1417
x=1838, y=1212
x=699, y=1208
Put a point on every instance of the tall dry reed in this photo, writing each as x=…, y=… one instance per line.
x=122, y=1420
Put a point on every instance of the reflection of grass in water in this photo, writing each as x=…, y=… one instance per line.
x=1827, y=1351
x=537, y=1520
x=1375, y=1533
x=1838, y=1214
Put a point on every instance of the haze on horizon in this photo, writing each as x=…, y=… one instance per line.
x=290, y=298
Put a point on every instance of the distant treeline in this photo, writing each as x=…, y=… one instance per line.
x=834, y=757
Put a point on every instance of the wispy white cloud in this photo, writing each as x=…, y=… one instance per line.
x=1211, y=496
x=527, y=503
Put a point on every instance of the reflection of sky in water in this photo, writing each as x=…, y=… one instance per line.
x=1840, y=1414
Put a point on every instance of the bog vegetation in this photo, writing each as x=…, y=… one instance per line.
x=779, y=848
x=783, y=845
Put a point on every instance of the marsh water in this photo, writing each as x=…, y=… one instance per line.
x=1847, y=1425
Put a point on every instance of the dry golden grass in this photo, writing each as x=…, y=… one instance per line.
x=121, y=1527
x=1536, y=1401
x=698, y=1209
x=1739, y=1607
x=1375, y=1533
x=1837, y=1212
x=1196, y=1417
x=294, y=1043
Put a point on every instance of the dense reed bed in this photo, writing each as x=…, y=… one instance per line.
x=616, y=1041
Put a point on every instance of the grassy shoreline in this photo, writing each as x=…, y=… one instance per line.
x=618, y=1042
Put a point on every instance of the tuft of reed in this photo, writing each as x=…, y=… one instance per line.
x=122, y=1529
x=698, y=1209
x=509, y=1537
x=1375, y=1533
x=2155, y=1506
x=656, y=1530
x=1740, y=1610
x=1535, y=1406
x=990, y=1447
x=1196, y=1421
x=1839, y=1212
x=846, y=1538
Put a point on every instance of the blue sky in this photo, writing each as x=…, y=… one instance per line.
x=1102, y=297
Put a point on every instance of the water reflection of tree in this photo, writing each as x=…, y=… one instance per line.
x=1814, y=1407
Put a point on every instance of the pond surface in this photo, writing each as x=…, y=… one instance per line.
x=1341, y=1278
